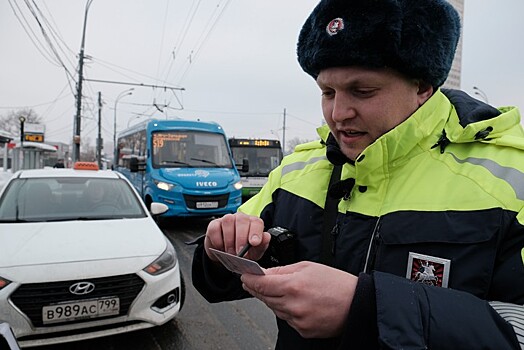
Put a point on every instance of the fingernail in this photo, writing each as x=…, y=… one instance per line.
x=255, y=239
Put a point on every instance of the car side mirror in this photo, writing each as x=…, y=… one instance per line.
x=244, y=167
x=158, y=208
x=136, y=164
x=7, y=338
x=133, y=164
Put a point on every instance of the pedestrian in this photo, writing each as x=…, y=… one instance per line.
x=424, y=251
x=59, y=163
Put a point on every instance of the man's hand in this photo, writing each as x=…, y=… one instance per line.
x=232, y=232
x=313, y=298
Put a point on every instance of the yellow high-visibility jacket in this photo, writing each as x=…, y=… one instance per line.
x=432, y=222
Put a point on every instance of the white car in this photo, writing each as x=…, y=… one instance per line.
x=75, y=264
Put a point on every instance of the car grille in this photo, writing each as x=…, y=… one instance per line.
x=192, y=200
x=30, y=298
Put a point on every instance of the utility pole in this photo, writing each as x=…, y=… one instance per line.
x=99, y=142
x=284, y=134
x=78, y=116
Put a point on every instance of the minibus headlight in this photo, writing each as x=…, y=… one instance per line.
x=163, y=185
x=238, y=185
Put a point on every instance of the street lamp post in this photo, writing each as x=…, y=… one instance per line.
x=481, y=94
x=22, y=121
x=131, y=119
x=122, y=94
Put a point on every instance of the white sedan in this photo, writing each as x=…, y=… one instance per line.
x=82, y=257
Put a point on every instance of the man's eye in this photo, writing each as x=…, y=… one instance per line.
x=364, y=92
x=328, y=93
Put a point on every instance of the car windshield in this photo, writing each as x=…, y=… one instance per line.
x=68, y=198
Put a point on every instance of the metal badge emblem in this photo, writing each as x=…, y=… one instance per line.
x=335, y=26
x=428, y=269
x=82, y=288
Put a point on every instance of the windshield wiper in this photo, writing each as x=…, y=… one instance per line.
x=91, y=218
x=59, y=219
x=175, y=162
x=83, y=218
x=205, y=161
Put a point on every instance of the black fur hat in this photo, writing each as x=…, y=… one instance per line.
x=415, y=37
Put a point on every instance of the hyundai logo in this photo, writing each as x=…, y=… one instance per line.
x=82, y=288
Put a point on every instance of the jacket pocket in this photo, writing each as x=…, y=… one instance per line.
x=465, y=240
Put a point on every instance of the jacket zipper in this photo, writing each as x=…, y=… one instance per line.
x=372, y=249
x=334, y=234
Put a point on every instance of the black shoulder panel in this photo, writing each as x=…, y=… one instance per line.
x=469, y=109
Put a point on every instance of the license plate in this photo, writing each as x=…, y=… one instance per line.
x=206, y=205
x=78, y=310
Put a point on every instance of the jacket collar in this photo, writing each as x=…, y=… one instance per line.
x=397, y=142
x=436, y=118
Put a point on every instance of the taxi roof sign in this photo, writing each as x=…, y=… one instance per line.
x=86, y=166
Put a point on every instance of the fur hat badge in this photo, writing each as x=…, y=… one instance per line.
x=415, y=37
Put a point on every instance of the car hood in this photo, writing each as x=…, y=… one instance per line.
x=25, y=244
x=199, y=178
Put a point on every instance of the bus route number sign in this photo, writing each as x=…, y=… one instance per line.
x=159, y=139
x=257, y=143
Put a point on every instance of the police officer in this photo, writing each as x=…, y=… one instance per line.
x=425, y=251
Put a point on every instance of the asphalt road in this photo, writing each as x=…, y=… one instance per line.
x=243, y=324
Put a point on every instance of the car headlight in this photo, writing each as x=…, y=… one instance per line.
x=164, y=263
x=4, y=282
x=238, y=185
x=163, y=185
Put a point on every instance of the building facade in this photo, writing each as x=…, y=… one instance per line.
x=453, y=81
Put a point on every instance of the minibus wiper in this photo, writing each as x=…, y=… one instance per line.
x=205, y=161
x=176, y=162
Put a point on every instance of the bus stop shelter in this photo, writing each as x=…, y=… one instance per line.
x=29, y=155
x=5, y=138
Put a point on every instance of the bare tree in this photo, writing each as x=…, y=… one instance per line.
x=88, y=152
x=291, y=144
x=11, y=121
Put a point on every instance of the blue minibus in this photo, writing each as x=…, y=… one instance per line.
x=184, y=164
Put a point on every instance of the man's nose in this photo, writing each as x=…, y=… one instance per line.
x=343, y=108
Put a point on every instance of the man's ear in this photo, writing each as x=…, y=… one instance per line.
x=425, y=91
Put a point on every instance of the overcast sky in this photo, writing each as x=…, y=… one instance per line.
x=235, y=60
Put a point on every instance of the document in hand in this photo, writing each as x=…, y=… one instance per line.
x=237, y=264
